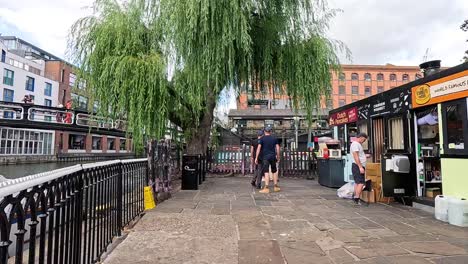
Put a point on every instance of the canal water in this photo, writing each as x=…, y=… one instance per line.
x=14, y=171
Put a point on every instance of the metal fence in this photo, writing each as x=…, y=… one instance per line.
x=70, y=215
x=237, y=159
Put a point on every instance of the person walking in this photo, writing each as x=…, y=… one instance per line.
x=258, y=173
x=358, y=167
x=270, y=149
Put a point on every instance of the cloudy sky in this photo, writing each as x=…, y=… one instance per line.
x=376, y=31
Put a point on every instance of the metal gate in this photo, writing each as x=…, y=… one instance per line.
x=237, y=159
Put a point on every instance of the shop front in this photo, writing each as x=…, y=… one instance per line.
x=387, y=121
x=441, y=125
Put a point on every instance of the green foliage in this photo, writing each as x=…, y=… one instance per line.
x=126, y=51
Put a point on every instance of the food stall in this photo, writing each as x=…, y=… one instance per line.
x=440, y=105
x=330, y=163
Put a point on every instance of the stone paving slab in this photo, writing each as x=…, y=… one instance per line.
x=227, y=221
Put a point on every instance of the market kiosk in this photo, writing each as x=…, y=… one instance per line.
x=386, y=119
x=441, y=124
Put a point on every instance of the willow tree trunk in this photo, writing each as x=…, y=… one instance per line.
x=200, y=135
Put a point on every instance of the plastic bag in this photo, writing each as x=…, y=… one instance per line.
x=346, y=191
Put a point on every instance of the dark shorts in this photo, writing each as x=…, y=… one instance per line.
x=358, y=177
x=269, y=162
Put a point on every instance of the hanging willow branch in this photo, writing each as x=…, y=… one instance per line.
x=126, y=51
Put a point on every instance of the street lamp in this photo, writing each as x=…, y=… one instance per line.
x=296, y=127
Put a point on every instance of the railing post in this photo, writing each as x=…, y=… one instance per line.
x=119, y=200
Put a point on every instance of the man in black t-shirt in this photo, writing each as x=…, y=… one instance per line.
x=270, y=149
x=257, y=177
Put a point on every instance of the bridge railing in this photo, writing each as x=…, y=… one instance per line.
x=69, y=215
x=48, y=114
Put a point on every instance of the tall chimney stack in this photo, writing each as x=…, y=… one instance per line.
x=430, y=67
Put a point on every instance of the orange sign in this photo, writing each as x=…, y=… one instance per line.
x=441, y=90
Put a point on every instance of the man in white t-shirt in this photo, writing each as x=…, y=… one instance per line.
x=358, y=167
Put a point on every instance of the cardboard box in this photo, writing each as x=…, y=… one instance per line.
x=432, y=192
x=373, y=169
x=368, y=196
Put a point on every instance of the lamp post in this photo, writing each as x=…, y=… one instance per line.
x=296, y=127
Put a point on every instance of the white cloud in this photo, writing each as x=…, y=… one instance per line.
x=47, y=22
x=400, y=31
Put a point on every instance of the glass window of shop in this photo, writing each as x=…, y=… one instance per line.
x=362, y=128
x=77, y=141
x=123, y=144
x=22, y=141
x=455, y=125
x=396, y=138
x=110, y=143
x=97, y=143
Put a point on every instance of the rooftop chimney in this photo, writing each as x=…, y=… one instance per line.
x=430, y=67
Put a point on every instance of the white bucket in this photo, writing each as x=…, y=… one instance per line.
x=458, y=212
x=441, y=207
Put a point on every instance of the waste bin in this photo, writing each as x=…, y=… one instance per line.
x=190, y=172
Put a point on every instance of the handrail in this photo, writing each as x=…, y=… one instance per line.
x=13, y=186
x=16, y=185
x=56, y=116
x=11, y=108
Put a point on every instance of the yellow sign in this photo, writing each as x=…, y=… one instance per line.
x=149, y=198
x=423, y=94
x=441, y=90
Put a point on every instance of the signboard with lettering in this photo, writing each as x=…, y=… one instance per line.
x=441, y=90
x=344, y=117
x=393, y=101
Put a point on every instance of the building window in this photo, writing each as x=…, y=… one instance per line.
x=48, y=89
x=97, y=143
x=123, y=144
x=367, y=90
x=380, y=89
x=330, y=103
x=395, y=133
x=405, y=77
x=72, y=80
x=417, y=76
x=342, y=77
x=392, y=77
x=3, y=56
x=29, y=83
x=110, y=143
x=79, y=102
x=342, y=89
x=47, y=102
x=8, y=95
x=8, y=77
x=380, y=77
x=355, y=90
x=342, y=102
x=354, y=76
x=367, y=76
x=62, y=75
x=77, y=142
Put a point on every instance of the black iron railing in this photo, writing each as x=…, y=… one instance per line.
x=69, y=215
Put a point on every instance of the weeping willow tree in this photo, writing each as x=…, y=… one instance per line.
x=159, y=60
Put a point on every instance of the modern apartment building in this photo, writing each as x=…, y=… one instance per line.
x=25, y=76
x=50, y=81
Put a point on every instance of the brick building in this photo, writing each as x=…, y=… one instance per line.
x=269, y=105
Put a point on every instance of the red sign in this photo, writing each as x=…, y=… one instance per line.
x=344, y=117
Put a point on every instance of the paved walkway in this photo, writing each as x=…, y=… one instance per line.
x=226, y=222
